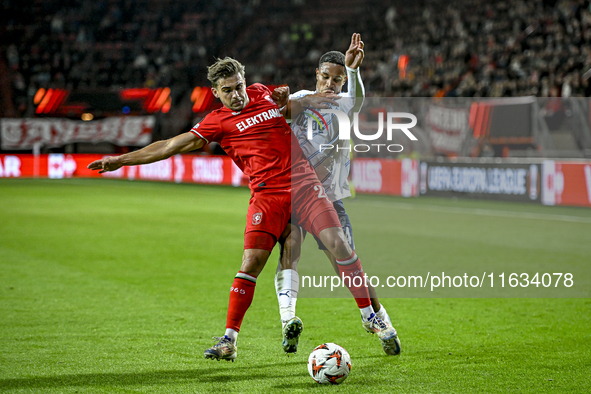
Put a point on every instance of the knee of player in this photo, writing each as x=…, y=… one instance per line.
x=253, y=261
x=339, y=247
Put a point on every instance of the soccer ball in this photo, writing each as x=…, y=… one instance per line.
x=329, y=363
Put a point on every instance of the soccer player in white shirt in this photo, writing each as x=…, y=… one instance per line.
x=329, y=156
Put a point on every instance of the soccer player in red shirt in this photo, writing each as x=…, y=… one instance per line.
x=254, y=134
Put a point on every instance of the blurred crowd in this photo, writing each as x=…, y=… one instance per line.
x=423, y=48
x=479, y=48
x=102, y=44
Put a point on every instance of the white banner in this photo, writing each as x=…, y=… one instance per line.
x=122, y=131
x=447, y=128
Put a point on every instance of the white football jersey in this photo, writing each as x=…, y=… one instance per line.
x=329, y=155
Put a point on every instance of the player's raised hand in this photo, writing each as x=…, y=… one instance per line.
x=354, y=55
x=280, y=95
x=108, y=163
x=320, y=100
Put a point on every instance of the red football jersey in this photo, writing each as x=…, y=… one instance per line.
x=259, y=140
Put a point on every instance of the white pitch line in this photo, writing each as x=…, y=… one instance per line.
x=487, y=212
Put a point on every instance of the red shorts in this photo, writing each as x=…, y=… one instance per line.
x=268, y=214
x=311, y=208
x=270, y=211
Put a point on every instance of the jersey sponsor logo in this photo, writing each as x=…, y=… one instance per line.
x=313, y=120
x=258, y=118
x=257, y=218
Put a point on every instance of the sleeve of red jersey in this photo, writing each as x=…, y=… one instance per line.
x=209, y=129
x=261, y=88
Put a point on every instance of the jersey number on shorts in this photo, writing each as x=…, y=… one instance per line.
x=321, y=192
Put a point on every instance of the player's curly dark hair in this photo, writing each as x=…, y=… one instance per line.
x=224, y=68
x=335, y=57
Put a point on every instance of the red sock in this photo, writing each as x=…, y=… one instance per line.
x=349, y=270
x=241, y=294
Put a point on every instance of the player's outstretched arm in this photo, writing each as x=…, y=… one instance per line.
x=296, y=105
x=353, y=59
x=156, y=151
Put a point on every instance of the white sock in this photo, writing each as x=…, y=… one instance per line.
x=366, y=312
x=232, y=334
x=383, y=314
x=287, y=284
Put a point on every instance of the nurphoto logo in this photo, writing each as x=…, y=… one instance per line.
x=392, y=119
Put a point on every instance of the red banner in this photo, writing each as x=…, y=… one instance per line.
x=382, y=176
x=566, y=183
x=122, y=131
x=386, y=176
x=218, y=170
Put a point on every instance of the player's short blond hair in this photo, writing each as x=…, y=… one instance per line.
x=224, y=68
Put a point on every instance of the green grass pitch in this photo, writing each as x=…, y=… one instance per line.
x=117, y=287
